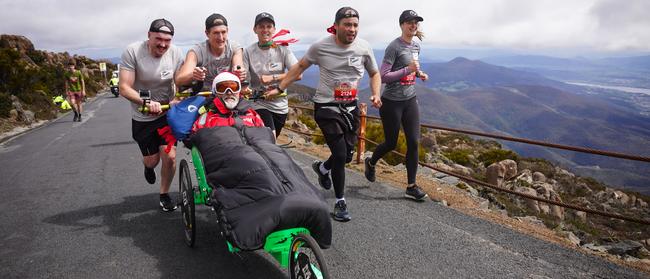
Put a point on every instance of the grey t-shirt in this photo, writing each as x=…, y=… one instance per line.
x=341, y=68
x=399, y=54
x=214, y=64
x=155, y=74
x=269, y=61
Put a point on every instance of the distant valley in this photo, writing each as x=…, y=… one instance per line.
x=477, y=95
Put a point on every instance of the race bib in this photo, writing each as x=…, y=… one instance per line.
x=408, y=79
x=345, y=90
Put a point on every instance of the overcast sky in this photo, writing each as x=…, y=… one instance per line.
x=529, y=26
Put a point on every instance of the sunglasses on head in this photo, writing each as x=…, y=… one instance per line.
x=225, y=86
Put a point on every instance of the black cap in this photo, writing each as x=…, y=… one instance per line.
x=345, y=12
x=409, y=15
x=215, y=20
x=264, y=16
x=162, y=25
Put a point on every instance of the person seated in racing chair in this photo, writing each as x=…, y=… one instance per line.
x=257, y=187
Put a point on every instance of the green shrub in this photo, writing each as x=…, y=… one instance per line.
x=5, y=104
x=460, y=156
x=449, y=139
x=309, y=121
x=496, y=155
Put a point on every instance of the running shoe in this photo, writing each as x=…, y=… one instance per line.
x=166, y=203
x=416, y=193
x=150, y=175
x=369, y=171
x=323, y=179
x=341, y=213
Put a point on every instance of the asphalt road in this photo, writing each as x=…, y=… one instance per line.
x=75, y=205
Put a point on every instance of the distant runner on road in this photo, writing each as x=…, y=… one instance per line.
x=75, y=89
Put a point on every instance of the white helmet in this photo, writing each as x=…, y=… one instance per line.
x=225, y=76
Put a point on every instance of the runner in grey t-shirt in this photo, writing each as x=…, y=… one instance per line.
x=155, y=74
x=150, y=65
x=397, y=57
x=399, y=71
x=207, y=59
x=342, y=59
x=266, y=62
x=341, y=68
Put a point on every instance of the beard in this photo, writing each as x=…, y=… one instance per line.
x=230, y=103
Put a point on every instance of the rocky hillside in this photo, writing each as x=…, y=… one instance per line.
x=488, y=161
x=29, y=78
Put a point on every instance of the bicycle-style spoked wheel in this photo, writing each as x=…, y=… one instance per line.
x=306, y=259
x=186, y=193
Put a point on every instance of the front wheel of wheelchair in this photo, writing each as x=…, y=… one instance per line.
x=306, y=259
x=186, y=193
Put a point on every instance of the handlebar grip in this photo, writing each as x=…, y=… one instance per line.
x=146, y=110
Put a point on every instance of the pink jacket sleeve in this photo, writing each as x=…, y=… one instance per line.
x=387, y=76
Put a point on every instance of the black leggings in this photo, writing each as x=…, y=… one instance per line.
x=340, y=139
x=342, y=153
x=406, y=113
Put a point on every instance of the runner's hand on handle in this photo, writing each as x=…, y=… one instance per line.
x=154, y=107
x=199, y=73
x=146, y=109
x=241, y=73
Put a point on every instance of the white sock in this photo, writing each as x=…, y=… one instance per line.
x=341, y=199
x=322, y=169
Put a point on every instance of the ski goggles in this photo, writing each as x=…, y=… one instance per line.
x=223, y=87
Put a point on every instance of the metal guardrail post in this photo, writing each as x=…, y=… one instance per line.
x=361, y=147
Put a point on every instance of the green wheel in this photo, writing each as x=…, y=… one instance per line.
x=306, y=259
x=186, y=193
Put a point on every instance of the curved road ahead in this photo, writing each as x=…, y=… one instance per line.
x=75, y=205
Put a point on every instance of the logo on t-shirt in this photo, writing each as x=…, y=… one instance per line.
x=354, y=61
x=165, y=74
x=275, y=66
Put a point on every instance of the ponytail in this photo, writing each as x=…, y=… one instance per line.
x=420, y=35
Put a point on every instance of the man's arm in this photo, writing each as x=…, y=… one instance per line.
x=237, y=64
x=188, y=71
x=375, y=87
x=294, y=73
x=127, y=79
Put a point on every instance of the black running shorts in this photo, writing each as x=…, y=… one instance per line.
x=146, y=135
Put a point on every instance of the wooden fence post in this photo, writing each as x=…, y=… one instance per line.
x=361, y=148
